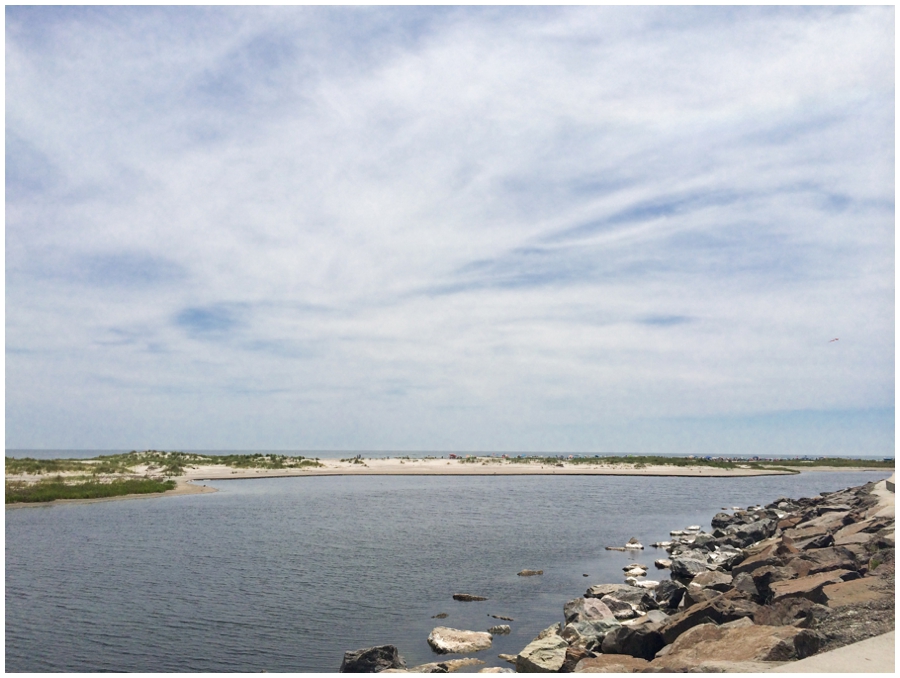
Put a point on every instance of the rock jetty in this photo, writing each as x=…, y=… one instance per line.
x=768, y=585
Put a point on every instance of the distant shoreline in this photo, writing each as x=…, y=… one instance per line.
x=190, y=481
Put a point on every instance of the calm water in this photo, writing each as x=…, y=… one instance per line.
x=286, y=574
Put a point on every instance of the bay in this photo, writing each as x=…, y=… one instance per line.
x=285, y=574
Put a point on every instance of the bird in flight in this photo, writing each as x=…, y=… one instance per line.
x=834, y=340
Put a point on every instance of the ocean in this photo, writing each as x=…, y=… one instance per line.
x=285, y=574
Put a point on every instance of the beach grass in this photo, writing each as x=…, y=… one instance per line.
x=51, y=489
x=157, y=461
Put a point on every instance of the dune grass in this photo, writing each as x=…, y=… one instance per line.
x=156, y=461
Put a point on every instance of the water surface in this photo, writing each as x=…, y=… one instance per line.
x=285, y=574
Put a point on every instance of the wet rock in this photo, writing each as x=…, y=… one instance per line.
x=467, y=597
x=499, y=616
x=544, y=655
x=499, y=630
x=586, y=609
x=663, y=563
x=372, y=660
x=529, y=573
x=511, y=658
x=441, y=615
x=445, y=640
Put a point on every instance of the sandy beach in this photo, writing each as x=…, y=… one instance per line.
x=483, y=467
x=192, y=480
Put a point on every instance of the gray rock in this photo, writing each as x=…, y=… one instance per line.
x=586, y=609
x=529, y=573
x=688, y=565
x=467, y=597
x=372, y=660
x=499, y=630
x=718, y=581
x=669, y=594
x=744, y=582
x=637, y=641
x=588, y=633
x=543, y=655
x=600, y=590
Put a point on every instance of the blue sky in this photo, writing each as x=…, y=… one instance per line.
x=586, y=229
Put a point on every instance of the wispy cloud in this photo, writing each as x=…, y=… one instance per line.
x=433, y=228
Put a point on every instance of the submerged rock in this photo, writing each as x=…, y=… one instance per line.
x=467, y=597
x=372, y=660
x=445, y=640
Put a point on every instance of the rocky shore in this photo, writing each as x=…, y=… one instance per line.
x=768, y=585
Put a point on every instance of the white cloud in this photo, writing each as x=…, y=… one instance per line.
x=417, y=228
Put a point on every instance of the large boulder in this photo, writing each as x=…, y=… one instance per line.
x=807, y=587
x=723, y=608
x=741, y=642
x=798, y=612
x=689, y=564
x=718, y=581
x=822, y=560
x=767, y=556
x=642, y=641
x=722, y=520
x=588, y=633
x=600, y=590
x=756, y=531
x=544, y=655
x=586, y=609
x=372, y=660
x=445, y=640
x=669, y=593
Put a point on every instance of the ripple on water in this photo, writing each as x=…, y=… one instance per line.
x=286, y=574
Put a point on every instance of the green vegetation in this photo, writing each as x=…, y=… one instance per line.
x=156, y=461
x=55, y=488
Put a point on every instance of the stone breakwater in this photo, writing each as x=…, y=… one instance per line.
x=769, y=585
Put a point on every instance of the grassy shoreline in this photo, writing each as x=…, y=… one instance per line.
x=51, y=489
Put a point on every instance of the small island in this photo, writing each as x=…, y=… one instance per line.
x=153, y=472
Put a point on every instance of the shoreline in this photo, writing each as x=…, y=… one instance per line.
x=187, y=483
x=182, y=487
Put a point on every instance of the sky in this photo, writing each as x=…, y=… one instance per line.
x=542, y=229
